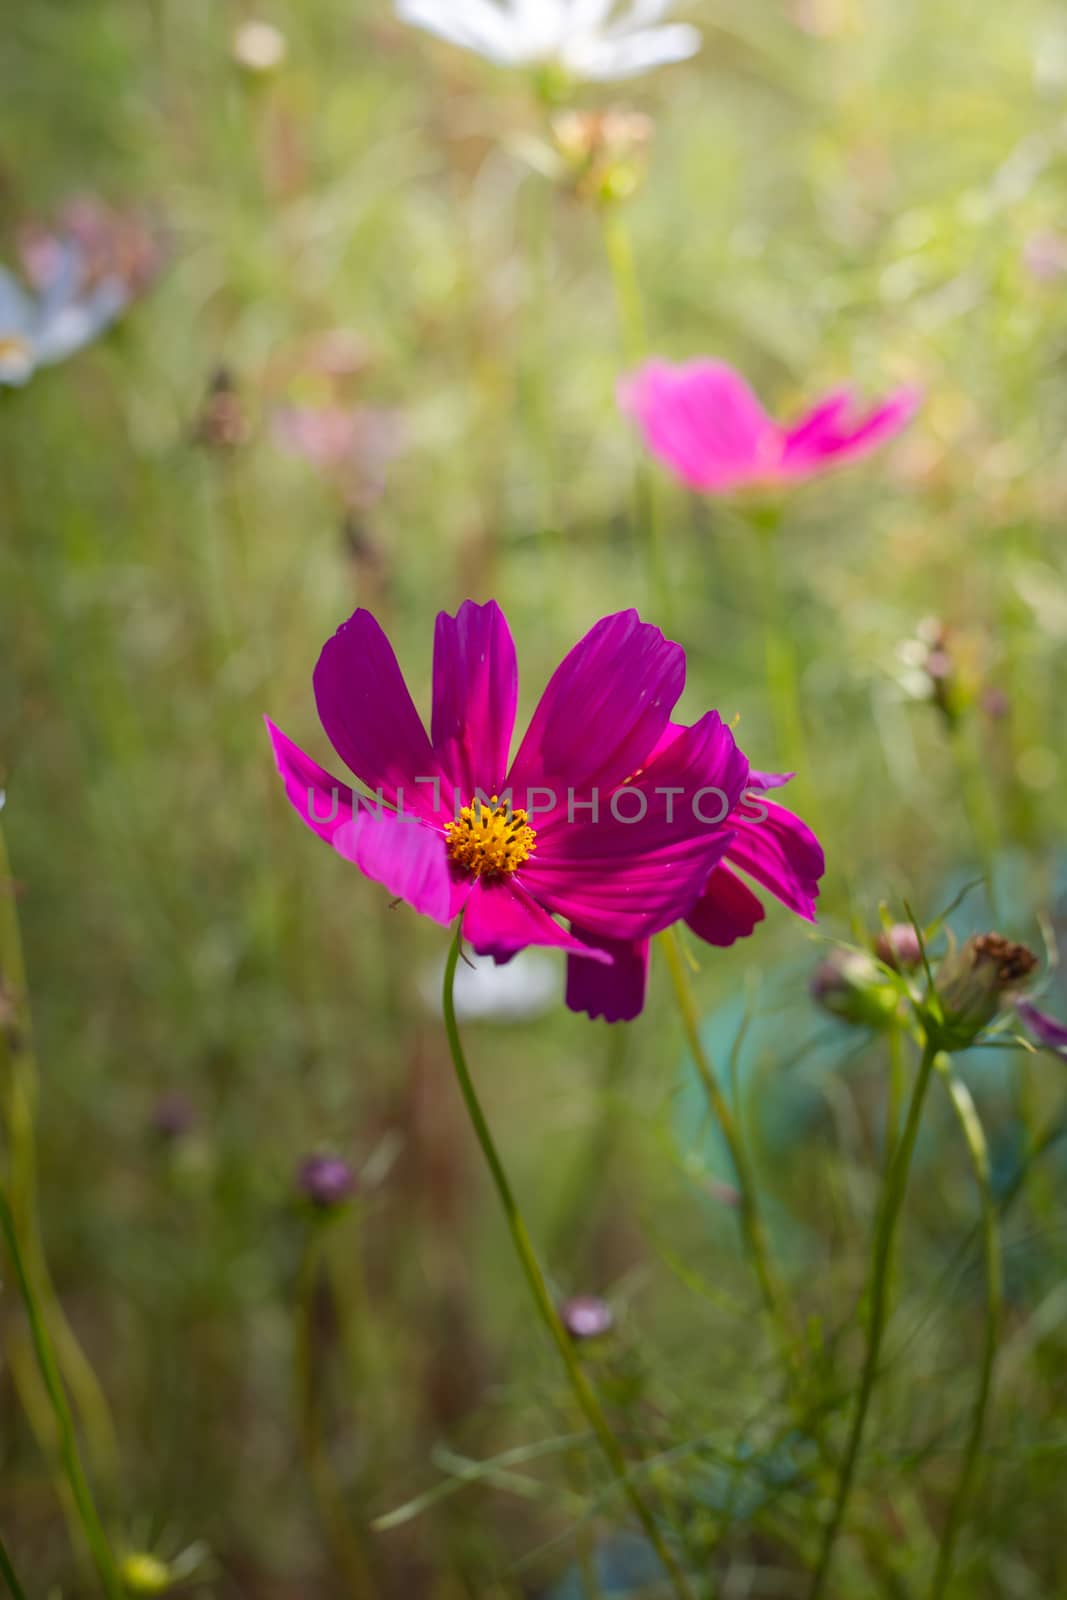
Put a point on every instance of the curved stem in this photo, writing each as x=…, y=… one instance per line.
x=7, y=1571
x=885, y=1234
x=752, y=1228
x=68, y=1445
x=967, y=1113
x=546, y=1309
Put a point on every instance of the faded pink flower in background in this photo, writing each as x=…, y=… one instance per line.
x=705, y=423
x=352, y=445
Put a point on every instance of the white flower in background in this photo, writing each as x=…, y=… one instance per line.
x=525, y=988
x=81, y=277
x=586, y=38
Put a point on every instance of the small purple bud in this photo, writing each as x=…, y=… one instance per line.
x=173, y=1116
x=995, y=704
x=326, y=1181
x=899, y=947
x=586, y=1317
x=851, y=987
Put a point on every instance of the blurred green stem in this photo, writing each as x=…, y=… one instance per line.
x=543, y=1302
x=896, y=1184
x=783, y=675
x=752, y=1227
x=350, y=1559
x=8, y=1573
x=970, y=1124
x=95, y=1537
x=20, y=1108
x=619, y=248
x=973, y=780
x=896, y=1043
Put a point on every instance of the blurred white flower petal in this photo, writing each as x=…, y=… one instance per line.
x=82, y=276
x=525, y=988
x=587, y=38
x=259, y=47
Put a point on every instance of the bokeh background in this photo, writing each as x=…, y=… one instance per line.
x=378, y=231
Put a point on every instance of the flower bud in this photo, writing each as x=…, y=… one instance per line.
x=144, y=1574
x=326, y=1181
x=587, y=1317
x=605, y=151
x=172, y=1117
x=899, y=947
x=974, y=982
x=850, y=986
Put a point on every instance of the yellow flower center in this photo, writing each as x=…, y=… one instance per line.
x=492, y=841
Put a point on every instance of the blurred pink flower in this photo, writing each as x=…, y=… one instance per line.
x=704, y=421
x=351, y=444
x=1045, y=255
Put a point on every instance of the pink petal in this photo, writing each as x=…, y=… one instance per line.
x=615, y=992
x=1042, y=1027
x=726, y=911
x=640, y=862
x=408, y=857
x=603, y=711
x=475, y=691
x=780, y=851
x=827, y=436
x=318, y=799
x=502, y=919
x=371, y=720
x=703, y=420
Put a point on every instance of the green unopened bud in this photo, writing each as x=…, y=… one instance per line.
x=142, y=1573
x=851, y=986
x=974, y=983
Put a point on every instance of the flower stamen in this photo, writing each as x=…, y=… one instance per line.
x=490, y=840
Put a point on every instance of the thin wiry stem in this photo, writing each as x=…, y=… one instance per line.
x=19, y=1115
x=885, y=1234
x=583, y=1390
x=978, y=1150
x=752, y=1226
x=88, y=1516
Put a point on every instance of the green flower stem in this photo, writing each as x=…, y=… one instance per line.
x=978, y=804
x=584, y=1393
x=19, y=1114
x=350, y=1559
x=7, y=1571
x=95, y=1537
x=783, y=673
x=971, y=1126
x=885, y=1234
x=752, y=1227
x=619, y=249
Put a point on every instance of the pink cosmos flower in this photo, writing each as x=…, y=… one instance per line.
x=608, y=815
x=703, y=420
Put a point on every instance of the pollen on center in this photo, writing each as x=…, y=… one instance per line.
x=490, y=839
